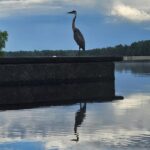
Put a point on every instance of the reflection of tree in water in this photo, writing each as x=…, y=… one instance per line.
x=79, y=117
x=135, y=68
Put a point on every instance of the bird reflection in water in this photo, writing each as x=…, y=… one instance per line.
x=79, y=118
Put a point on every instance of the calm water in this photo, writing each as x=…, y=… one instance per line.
x=123, y=124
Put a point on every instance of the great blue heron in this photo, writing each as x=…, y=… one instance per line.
x=78, y=37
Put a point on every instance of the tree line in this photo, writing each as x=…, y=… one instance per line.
x=140, y=48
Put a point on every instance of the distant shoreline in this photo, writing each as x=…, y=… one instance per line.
x=141, y=48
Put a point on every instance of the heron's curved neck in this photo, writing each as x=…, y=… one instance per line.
x=73, y=22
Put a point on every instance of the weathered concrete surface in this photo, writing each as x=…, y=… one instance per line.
x=28, y=81
x=42, y=73
x=136, y=58
x=41, y=60
x=21, y=71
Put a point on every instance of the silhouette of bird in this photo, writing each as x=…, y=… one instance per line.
x=78, y=37
x=79, y=118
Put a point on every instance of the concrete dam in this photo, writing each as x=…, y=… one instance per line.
x=56, y=80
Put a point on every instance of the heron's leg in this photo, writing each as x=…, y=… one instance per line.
x=79, y=50
x=78, y=54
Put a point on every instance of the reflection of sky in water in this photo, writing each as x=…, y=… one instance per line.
x=108, y=126
x=127, y=83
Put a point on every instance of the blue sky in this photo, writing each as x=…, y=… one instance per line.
x=44, y=24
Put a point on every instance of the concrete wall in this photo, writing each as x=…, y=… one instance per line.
x=25, y=74
x=55, y=80
x=17, y=71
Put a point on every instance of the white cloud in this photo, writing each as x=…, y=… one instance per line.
x=130, y=13
x=13, y=7
x=135, y=11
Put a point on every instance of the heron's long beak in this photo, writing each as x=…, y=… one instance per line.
x=71, y=12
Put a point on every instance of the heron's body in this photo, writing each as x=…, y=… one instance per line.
x=78, y=37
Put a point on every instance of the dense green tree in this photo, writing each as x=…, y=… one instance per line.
x=3, y=39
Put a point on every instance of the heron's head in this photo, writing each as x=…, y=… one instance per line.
x=73, y=12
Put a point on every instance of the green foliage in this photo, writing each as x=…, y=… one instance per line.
x=2, y=53
x=141, y=48
x=3, y=39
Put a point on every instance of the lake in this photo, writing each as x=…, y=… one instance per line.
x=122, y=124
